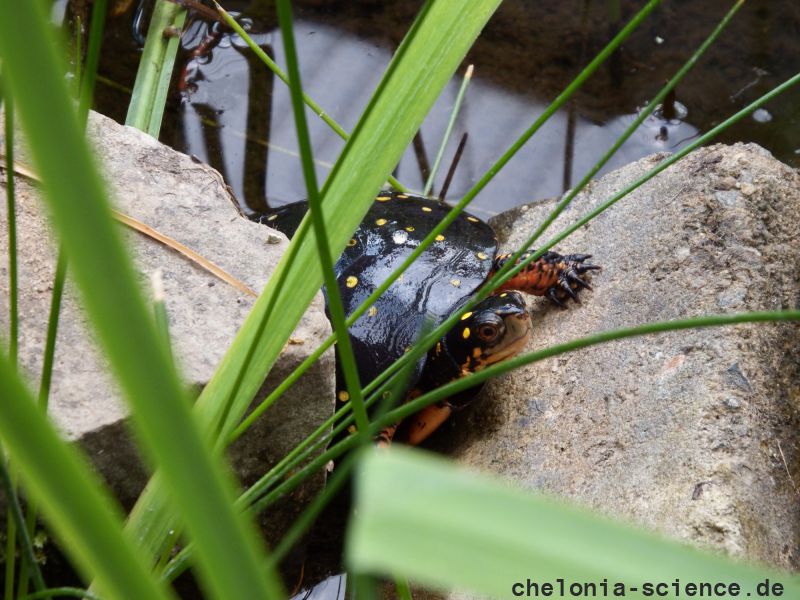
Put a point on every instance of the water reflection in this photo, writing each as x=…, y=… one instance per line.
x=231, y=112
x=228, y=113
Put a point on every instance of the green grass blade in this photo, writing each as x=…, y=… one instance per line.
x=603, y=337
x=146, y=108
x=11, y=216
x=481, y=534
x=230, y=558
x=69, y=592
x=44, y=387
x=346, y=357
x=13, y=332
x=448, y=130
x=59, y=280
x=26, y=546
x=261, y=499
x=92, y=58
x=75, y=502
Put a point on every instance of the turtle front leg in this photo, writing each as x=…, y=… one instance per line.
x=423, y=423
x=551, y=275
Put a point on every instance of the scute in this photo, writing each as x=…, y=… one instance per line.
x=388, y=234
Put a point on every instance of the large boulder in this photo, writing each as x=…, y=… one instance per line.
x=188, y=202
x=692, y=433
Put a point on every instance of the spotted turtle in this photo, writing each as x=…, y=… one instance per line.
x=443, y=278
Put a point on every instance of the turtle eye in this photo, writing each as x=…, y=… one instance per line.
x=488, y=332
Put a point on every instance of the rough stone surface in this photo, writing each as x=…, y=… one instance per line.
x=693, y=433
x=188, y=202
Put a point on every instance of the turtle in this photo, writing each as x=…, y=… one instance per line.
x=445, y=276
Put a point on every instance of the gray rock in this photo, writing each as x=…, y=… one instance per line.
x=693, y=433
x=190, y=203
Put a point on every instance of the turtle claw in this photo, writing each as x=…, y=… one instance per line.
x=551, y=293
x=570, y=282
x=572, y=277
x=565, y=285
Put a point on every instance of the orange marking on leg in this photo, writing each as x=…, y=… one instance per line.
x=426, y=421
x=536, y=280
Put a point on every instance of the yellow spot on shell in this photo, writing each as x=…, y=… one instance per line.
x=372, y=311
x=473, y=219
x=344, y=396
x=351, y=281
x=403, y=196
x=351, y=429
x=272, y=217
x=409, y=229
x=426, y=209
x=380, y=222
x=466, y=316
x=465, y=333
x=401, y=277
x=481, y=255
x=383, y=198
x=438, y=347
x=455, y=282
x=440, y=238
x=351, y=243
x=504, y=294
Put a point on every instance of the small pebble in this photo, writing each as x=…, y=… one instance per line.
x=747, y=188
x=732, y=403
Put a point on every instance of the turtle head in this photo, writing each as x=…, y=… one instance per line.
x=495, y=329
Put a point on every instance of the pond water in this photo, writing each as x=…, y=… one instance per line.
x=230, y=111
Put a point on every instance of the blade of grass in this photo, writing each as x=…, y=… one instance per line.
x=230, y=559
x=86, y=83
x=21, y=531
x=492, y=537
x=495, y=370
x=146, y=108
x=346, y=358
x=13, y=333
x=11, y=218
x=78, y=507
x=61, y=591
x=448, y=130
x=44, y=388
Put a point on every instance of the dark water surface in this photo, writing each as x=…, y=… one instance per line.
x=229, y=110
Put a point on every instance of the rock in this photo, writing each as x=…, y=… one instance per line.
x=692, y=433
x=190, y=203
